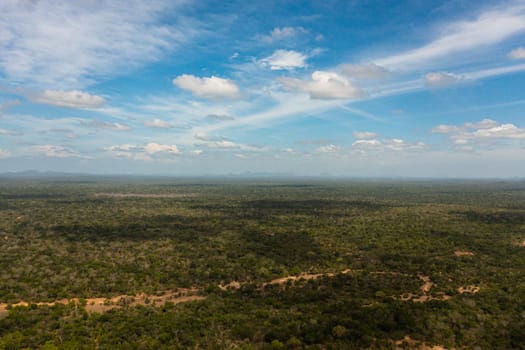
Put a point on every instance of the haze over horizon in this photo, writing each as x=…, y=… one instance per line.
x=344, y=88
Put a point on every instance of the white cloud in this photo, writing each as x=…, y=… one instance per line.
x=219, y=117
x=122, y=148
x=482, y=124
x=4, y=154
x=158, y=124
x=369, y=71
x=364, y=135
x=325, y=85
x=285, y=60
x=447, y=129
x=152, y=148
x=225, y=144
x=402, y=145
x=212, y=87
x=98, y=124
x=517, y=54
x=71, y=99
x=143, y=153
x=387, y=144
x=484, y=131
x=489, y=28
x=328, y=149
x=241, y=156
x=366, y=143
x=197, y=152
x=441, y=79
x=57, y=43
x=53, y=151
x=500, y=131
x=279, y=34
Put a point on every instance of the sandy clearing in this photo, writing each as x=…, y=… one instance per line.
x=304, y=276
x=425, y=288
x=463, y=253
x=105, y=304
x=144, y=195
x=408, y=343
x=472, y=289
x=234, y=285
x=427, y=283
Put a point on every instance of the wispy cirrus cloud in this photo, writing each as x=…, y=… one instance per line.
x=490, y=27
x=441, y=79
x=369, y=71
x=364, y=135
x=71, y=99
x=56, y=43
x=280, y=34
x=158, y=124
x=98, y=124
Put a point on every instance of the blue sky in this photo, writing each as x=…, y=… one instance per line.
x=345, y=88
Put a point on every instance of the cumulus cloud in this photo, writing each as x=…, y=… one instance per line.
x=122, y=148
x=142, y=152
x=501, y=131
x=158, y=124
x=197, y=152
x=328, y=149
x=225, y=144
x=447, y=129
x=285, y=60
x=212, y=87
x=366, y=143
x=53, y=151
x=280, y=34
x=369, y=71
x=441, y=79
x=4, y=153
x=364, y=135
x=152, y=148
x=70, y=99
x=98, y=124
x=325, y=85
x=73, y=43
x=517, y=54
x=484, y=130
x=387, y=145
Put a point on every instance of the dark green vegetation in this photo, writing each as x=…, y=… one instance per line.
x=65, y=240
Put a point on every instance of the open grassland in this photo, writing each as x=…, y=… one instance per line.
x=119, y=264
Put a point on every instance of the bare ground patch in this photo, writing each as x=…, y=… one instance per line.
x=463, y=253
x=104, y=304
x=408, y=343
x=472, y=289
